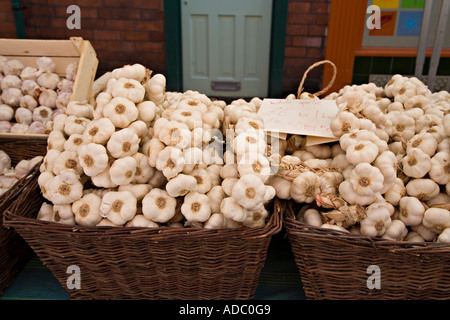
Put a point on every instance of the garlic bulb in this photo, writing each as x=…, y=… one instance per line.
x=159, y=206
x=118, y=206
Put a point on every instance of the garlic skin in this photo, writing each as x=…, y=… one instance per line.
x=140, y=221
x=23, y=115
x=444, y=237
x=436, y=219
x=423, y=189
x=13, y=67
x=249, y=192
x=231, y=209
x=181, y=185
x=93, y=158
x=42, y=114
x=121, y=112
x=28, y=102
x=130, y=89
x=67, y=160
x=305, y=187
x=397, y=231
x=80, y=110
x=6, y=112
x=159, y=206
x=48, y=80
x=440, y=168
x=123, y=170
x=377, y=221
x=99, y=131
x=45, y=64
x=11, y=96
x=170, y=162
x=123, y=143
x=119, y=207
x=135, y=71
x=5, y=126
x=87, y=210
x=196, y=207
x=411, y=211
x=65, y=188
x=416, y=163
x=175, y=134
x=366, y=179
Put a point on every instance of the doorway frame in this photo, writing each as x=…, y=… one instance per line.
x=172, y=22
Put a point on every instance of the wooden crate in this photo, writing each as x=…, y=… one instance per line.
x=63, y=52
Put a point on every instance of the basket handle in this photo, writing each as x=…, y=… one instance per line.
x=333, y=78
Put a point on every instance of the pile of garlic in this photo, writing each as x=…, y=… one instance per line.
x=145, y=157
x=389, y=174
x=10, y=174
x=32, y=96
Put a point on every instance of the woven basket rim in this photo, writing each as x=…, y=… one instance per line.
x=294, y=226
x=13, y=218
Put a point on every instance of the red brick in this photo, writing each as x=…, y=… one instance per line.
x=307, y=41
x=7, y=27
x=288, y=41
x=134, y=35
x=297, y=29
x=150, y=46
x=319, y=7
x=322, y=19
x=314, y=30
x=156, y=36
x=315, y=53
x=46, y=33
x=120, y=25
x=115, y=13
x=149, y=25
x=94, y=24
x=117, y=3
x=152, y=15
x=148, y=4
x=59, y=23
x=301, y=18
x=299, y=7
x=295, y=52
x=120, y=46
x=106, y=35
x=84, y=33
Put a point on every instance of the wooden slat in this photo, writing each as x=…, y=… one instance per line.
x=87, y=68
x=33, y=47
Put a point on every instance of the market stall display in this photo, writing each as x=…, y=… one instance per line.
x=375, y=197
x=142, y=170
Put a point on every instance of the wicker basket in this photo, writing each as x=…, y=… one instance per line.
x=335, y=266
x=146, y=263
x=14, y=251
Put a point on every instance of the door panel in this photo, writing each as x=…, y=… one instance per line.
x=226, y=46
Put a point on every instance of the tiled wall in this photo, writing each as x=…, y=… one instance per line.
x=365, y=66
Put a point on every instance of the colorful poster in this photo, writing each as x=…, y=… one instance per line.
x=386, y=4
x=413, y=4
x=388, y=20
x=409, y=23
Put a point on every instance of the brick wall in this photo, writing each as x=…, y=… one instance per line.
x=121, y=31
x=7, y=24
x=132, y=31
x=306, y=30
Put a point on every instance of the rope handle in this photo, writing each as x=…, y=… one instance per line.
x=333, y=78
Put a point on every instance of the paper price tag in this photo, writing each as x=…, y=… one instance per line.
x=300, y=116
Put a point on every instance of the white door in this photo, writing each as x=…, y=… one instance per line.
x=226, y=47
